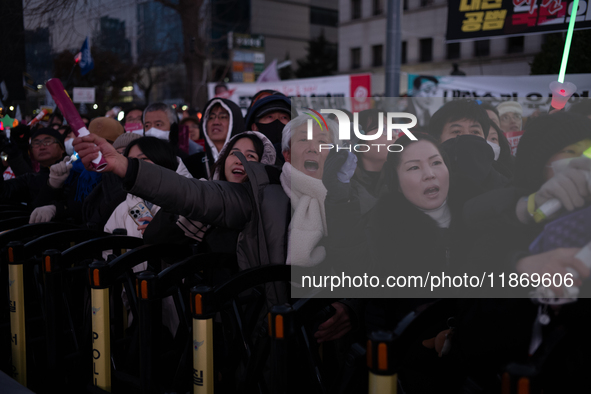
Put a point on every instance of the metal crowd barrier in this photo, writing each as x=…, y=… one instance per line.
x=206, y=301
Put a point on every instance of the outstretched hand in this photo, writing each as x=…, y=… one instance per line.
x=88, y=148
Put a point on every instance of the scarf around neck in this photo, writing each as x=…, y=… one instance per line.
x=308, y=222
x=441, y=215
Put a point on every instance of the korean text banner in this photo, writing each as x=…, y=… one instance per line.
x=304, y=91
x=470, y=19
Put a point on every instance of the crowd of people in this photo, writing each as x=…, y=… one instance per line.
x=455, y=198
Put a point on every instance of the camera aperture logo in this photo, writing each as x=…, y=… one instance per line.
x=392, y=129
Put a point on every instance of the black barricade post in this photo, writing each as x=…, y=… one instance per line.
x=17, y=311
x=119, y=310
x=150, y=318
x=382, y=374
x=101, y=334
x=281, y=329
x=519, y=379
x=202, y=311
x=54, y=315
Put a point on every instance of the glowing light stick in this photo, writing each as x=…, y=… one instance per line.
x=61, y=98
x=562, y=91
x=569, y=38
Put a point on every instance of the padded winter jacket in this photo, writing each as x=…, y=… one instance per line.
x=259, y=209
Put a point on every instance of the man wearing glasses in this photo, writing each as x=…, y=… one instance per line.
x=222, y=119
x=47, y=148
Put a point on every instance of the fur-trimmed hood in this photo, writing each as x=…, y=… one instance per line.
x=269, y=153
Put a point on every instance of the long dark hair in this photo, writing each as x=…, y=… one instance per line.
x=221, y=162
x=157, y=150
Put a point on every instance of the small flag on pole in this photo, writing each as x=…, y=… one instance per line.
x=86, y=62
x=269, y=74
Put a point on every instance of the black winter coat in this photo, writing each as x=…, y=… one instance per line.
x=30, y=188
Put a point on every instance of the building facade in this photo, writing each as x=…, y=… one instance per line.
x=362, y=44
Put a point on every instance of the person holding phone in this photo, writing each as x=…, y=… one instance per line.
x=134, y=214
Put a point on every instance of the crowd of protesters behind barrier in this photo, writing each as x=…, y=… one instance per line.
x=453, y=198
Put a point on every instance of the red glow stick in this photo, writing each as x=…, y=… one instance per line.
x=38, y=118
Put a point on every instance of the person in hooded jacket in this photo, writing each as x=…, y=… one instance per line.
x=171, y=228
x=269, y=115
x=222, y=119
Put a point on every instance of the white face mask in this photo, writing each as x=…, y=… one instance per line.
x=496, y=148
x=69, y=146
x=154, y=132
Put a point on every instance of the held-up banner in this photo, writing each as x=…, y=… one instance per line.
x=470, y=19
x=305, y=93
x=532, y=90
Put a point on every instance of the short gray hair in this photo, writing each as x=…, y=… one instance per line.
x=172, y=118
x=302, y=120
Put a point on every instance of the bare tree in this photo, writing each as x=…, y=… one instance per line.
x=190, y=12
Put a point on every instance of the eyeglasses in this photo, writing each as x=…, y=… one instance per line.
x=37, y=143
x=222, y=117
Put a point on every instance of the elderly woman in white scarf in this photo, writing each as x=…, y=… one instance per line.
x=301, y=178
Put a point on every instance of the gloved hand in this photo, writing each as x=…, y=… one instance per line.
x=571, y=186
x=582, y=163
x=42, y=214
x=339, y=168
x=58, y=173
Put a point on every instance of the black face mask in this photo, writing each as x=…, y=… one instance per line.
x=271, y=130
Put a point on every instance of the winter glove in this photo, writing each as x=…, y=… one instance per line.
x=42, y=214
x=338, y=171
x=58, y=173
x=571, y=187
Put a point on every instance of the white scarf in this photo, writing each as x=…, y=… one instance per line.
x=308, y=223
x=441, y=215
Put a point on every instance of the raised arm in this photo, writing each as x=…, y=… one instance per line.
x=223, y=204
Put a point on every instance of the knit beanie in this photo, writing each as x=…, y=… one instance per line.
x=124, y=139
x=106, y=128
x=509, y=106
x=545, y=136
x=51, y=132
